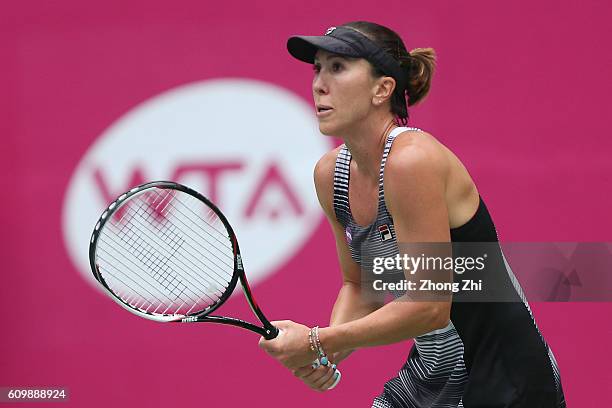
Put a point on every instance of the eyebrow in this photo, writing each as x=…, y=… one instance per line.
x=342, y=57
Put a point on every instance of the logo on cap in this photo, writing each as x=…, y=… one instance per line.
x=330, y=30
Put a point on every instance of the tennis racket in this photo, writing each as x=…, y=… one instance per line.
x=165, y=252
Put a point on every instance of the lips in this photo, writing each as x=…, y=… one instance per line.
x=324, y=111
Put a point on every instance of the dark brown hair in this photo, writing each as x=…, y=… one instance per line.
x=419, y=66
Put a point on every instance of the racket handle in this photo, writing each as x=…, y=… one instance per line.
x=317, y=364
x=336, y=381
x=271, y=332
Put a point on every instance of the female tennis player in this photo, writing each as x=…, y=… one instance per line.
x=388, y=185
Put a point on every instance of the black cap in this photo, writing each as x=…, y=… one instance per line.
x=347, y=42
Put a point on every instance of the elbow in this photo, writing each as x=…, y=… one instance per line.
x=355, y=284
x=440, y=316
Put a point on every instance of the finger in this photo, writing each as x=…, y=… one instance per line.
x=325, y=378
x=332, y=381
x=263, y=344
x=267, y=345
x=316, y=374
x=281, y=324
x=313, y=378
x=303, y=371
x=321, y=387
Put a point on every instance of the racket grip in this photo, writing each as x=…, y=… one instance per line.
x=336, y=381
x=271, y=332
x=317, y=363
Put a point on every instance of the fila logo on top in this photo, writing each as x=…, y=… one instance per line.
x=385, y=232
x=249, y=146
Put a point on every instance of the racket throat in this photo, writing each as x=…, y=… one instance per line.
x=267, y=332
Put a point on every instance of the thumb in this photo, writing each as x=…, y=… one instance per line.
x=281, y=324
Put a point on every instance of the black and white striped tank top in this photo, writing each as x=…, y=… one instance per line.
x=489, y=355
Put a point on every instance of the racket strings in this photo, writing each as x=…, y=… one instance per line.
x=128, y=291
x=161, y=256
x=206, y=289
x=175, y=261
x=204, y=249
x=156, y=263
x=221, y=237
x=141, y=287
x=135, y=298
x=131, y=272
x=226, y=250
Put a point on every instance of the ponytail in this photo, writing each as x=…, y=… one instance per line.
x=420, y=65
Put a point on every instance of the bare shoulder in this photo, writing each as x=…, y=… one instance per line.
x=324, y=179
x=415, y=187
x=422, y=168
x=417, y=153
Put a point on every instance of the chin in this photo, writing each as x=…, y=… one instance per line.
x=325, y=132
x=327, y=129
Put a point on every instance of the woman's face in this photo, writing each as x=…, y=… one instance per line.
x=343, y=89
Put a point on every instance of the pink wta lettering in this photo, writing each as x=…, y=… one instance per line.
x=211, y=173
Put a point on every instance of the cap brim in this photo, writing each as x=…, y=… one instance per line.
x=304, y=48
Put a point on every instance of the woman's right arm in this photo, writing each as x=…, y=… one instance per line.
x=350, y=304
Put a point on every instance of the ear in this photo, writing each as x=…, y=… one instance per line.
x=383, y=89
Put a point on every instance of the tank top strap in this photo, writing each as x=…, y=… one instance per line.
x=341, y=179
x=382, y=207
x=341, y=186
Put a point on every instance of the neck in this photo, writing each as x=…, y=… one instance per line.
x=366, y=144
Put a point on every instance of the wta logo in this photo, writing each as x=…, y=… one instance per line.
x=249, y=146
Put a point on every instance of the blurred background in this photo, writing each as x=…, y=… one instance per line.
x=100, y=96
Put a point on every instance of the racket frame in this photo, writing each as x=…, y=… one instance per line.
x=268, y=331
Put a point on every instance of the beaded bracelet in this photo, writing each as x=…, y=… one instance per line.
x=311, y=341
x=318, y=341
x=315, y=345
x=315, y=342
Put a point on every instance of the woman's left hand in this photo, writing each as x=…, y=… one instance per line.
x=318, y=378
x=291, y=347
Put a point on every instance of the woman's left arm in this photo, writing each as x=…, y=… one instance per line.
x=415, y=185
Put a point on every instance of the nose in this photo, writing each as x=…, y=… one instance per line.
x=319, y=87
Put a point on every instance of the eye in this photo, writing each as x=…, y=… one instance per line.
x=316, y=68
x=336, y=66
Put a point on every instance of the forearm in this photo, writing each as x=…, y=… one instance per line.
x=350, y=305
x=396, y=321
